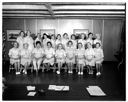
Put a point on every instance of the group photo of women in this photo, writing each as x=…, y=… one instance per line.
x=57, y=51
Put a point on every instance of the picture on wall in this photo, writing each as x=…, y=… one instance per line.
x=78, y=32
x=12, y=35
x=47, y=31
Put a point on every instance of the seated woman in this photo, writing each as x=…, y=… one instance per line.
x=80, y=58
x=25, y=54
x=15, y=57
x=49, y=56
x=37, y=55
x=70, y=56
x=89, y=55
x=60, y=56
x=99, y=57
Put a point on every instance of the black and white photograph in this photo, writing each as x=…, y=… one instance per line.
x=63, y=51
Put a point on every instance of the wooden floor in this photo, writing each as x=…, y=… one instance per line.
x=110, y=82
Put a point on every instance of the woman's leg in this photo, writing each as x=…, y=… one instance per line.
x=39, y=63
x=82, y=69
x=35, y=64
x=71, y=67
x=78, y=68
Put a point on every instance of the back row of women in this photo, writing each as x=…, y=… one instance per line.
x=57, y=50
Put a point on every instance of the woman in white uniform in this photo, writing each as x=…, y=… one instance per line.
x=49, y=56
x=20, y=40
x=70, y=56
x=38, y=39
x=28, y=39
x=37, y=55
x=97, y=40
x=99, y=57
x=73, y=39
x=80, y=57
x=14, y=54
x=89, y=55
x=65, y=40
x=82, y=40
x=26, y=59
x=60, y=55
x=90, y=40
x=53, y=41
x=45, y=40
x=58, y=40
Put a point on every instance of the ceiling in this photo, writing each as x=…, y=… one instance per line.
x=63, y=10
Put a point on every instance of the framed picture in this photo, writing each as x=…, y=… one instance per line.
x=12, y=35
x=47, y=31
x=78, y=32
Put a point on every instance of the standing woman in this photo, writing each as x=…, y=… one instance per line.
x=37, y=55
x=99, y=57
x=97, y=40
x=74, y=41
x=45, y=40
x=89, y=55
x=70, y=56
x=49, y=56
x=80, y=57
x=53, y=41
x=90, y=40
x=65, y=40
x=60, y=56
x=38, y=38
x=82, y=40
x=28, y=39
x=20, y=40
x=58, y=40
x=25, y=54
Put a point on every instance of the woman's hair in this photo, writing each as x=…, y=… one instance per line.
x=52, y=35
x=79, y=44
x=98, y=43
x=73, y=35
x=38, y=42
x=90, y=34
x=84, y=35
x=16, y=43
x=65, y=34
x=22, y=32
x=49, y=43
x=70, y=42
x=61, y=45
x=44, y=35
x=57, y=36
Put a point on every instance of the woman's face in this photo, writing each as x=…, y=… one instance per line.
x=52, y=37
x=28, y=33
x=70, y=44
x=45, y=37
x=49, y=45
x=60, y=46
x=39, y=36
x=26, y=46
x=97, y=45
x=38, y=45
x=59, y=37
x=98, y=36
x=73, y=37
x=90, y=36
x=82, y=36
x=16, y=45
x=89, y=45
x=79, y=46
x=22, y=34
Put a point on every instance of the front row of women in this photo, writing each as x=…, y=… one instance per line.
x=81, y=57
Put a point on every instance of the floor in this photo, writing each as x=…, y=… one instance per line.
x=110, y=82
